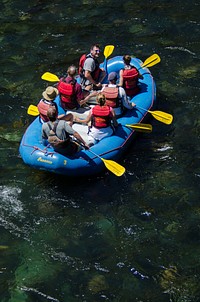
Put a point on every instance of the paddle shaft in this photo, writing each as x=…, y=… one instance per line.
x=94, y=154
x=111, y=165
x=163, y=117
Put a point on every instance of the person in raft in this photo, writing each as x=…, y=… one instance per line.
x=101, y=117
x=71, y=95
x=116, y=96
x=90, y=72
x=48, y=97
x=129, y=76
x=58, y=133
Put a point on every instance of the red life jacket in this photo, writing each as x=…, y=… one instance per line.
x=81, y=63
x=67, y=94
x=101, y=116
x=130, y=77
x=95, y=73
x=111, y=94
x=43, y=106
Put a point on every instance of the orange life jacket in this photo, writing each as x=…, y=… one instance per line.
x=130, y=77
x=111, y=94
x=67, y=95
x=101, y=116
x=43, y=106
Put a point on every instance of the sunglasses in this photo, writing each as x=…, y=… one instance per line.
x=97, y=51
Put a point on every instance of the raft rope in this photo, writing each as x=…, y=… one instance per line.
x=107, y=152
x=42, y=150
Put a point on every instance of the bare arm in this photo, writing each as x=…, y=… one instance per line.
x=115, y=123
x=89, y=77
x=85, y=121
x=120, y=78
x=90, y=95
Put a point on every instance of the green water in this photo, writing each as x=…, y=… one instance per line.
x=133, y=238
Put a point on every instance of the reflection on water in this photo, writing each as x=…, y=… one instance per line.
x=134, y=238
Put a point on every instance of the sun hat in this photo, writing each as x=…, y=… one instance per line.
x=50, y=93
x=112, y=76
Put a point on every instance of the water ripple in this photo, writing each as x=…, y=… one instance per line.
x=9, y=200
x=29, y=289
x=181, y=49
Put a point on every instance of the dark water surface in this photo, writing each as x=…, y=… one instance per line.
x=134, y=238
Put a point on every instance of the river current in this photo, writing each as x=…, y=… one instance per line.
x=103, y=238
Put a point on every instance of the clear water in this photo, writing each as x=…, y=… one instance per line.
x=134, y=238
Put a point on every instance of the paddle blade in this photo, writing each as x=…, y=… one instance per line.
x=141, y=127
x=33, y=110
x=50, y=77
x=108, y=50
x=114, y=167
x=151, y=61
x=163, y=117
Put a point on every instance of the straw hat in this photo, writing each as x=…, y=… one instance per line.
x=50, y=93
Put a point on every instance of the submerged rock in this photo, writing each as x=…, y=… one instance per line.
x=97, y=284
x=168, y=276
x=3, y=247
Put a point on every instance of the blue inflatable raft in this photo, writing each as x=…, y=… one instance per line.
x=85, y=163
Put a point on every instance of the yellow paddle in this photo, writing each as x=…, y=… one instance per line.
x=161, y=116
x=111, y=165
x=151, y=61
x=33, y=110
x=141, y=127
x=108, y=50
x=50, y=77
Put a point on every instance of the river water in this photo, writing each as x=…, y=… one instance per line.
x=104, y=238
